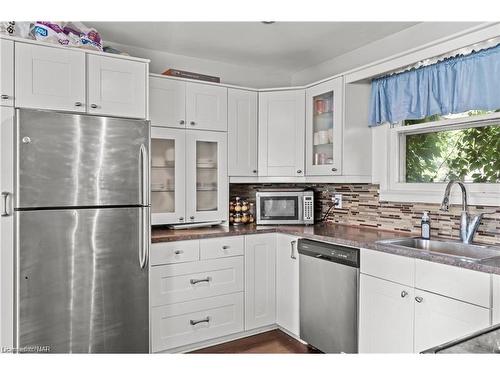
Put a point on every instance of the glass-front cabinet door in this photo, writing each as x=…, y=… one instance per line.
x=324, y=128
x=206, y=176
x=168, y=175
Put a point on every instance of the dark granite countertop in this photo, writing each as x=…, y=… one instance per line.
x=336, y=233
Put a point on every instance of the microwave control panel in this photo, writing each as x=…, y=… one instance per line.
x=308, y=208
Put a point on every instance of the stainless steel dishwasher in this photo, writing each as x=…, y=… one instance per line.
x=329, y=280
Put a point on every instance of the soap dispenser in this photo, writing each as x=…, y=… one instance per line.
x=426, y=226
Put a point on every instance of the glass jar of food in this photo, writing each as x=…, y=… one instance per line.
x=237, y=218
x=244, y=218
x=237, y=205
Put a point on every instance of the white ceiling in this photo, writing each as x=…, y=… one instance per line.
x=285, y=46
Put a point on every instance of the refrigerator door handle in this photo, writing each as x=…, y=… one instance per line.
x=145, y=229
x=144, y=176
x=5, y=196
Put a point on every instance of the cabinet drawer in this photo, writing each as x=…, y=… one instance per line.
x=188, y=281
x=189, y=322
x=174, y=252
x=388, y=266
x=221, y=247
x=459, y=283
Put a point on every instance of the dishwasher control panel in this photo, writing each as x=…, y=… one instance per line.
x=329, y=252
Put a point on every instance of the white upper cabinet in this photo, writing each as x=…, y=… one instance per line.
x=206, y=176
x=167, y=102
x=117, y=87
x=324, y=128
x=7, y=72
x=49, y=78
x=206, y=107
x=281, y=133
x=242, y=132
x=168, y=175
x=385, y=316
x=287, y=284
x=260, y=280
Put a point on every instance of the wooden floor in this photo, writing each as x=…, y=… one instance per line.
x=272, y=342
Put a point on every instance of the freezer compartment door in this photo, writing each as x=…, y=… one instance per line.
x=80, y=285
x=79, y=160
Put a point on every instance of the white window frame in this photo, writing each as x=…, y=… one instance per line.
x=392, y=185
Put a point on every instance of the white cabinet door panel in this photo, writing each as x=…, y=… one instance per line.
x=223, y=247
x=206, y=176
x=7, y=227
x=496, y=299
x=206, y=107
x=167, y=102
x=440, y=319
x=195, y=321
x=50, y=78
x=116, y=87
x=260, y=280
x=7, y=72
x=174, y=252
x=282, y=133
x=385, y=316
x=168, y=175
x=242, y=132
x=287, y=284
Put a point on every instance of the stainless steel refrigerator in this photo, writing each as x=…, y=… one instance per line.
x=82, y=233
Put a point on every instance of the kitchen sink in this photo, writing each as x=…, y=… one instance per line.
x=467, y=252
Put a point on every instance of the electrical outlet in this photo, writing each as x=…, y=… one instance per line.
x=337, y=200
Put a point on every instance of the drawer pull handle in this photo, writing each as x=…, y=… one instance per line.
x=195, y=322
x=225, y=247
x=196, y=281
x=419, y=299
x=178, y=252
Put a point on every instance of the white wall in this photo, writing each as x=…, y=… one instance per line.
x=229, y=73
x=402, y=41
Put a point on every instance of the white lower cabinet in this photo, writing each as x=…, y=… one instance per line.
x=195, y=321
x=385, y=316
x=287, y=284
x=440, y=319
x=496, y=299
x=395, y=317
x=260, y=280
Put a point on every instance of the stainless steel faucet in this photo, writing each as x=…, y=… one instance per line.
x=468, y=223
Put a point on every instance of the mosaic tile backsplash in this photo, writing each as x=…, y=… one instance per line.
x=361, y=207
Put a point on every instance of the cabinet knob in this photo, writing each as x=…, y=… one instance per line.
x=404, y=293
x=299, y=171
x=93, y=106
x=191, y=217
x=182, y=122
x=254, y=171
x=225, y=247
x=419, y=299
x=178, y=252
x=26, y=140
x=181, y=219
x=4, y=97
x=334, y=169
x=192, y=123
x=78, y=104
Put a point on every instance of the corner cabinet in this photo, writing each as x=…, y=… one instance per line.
x=324, y=109
x=281, y=133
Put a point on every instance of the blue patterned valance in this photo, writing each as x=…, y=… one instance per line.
x=454, y=85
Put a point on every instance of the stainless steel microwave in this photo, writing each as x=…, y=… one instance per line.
x=285, y=207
